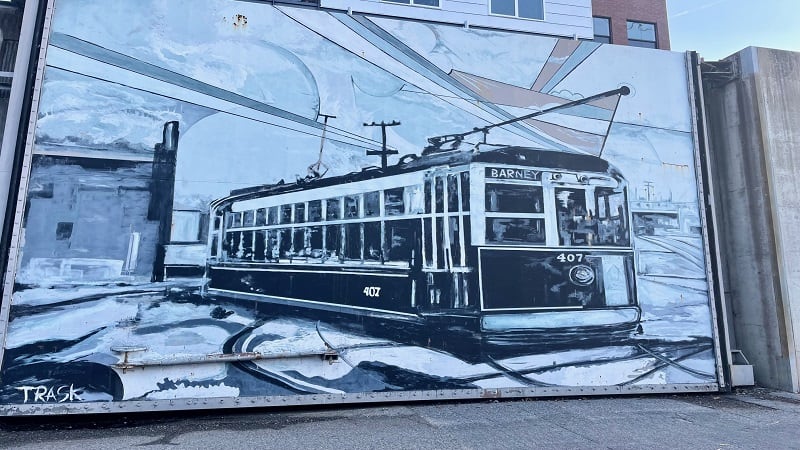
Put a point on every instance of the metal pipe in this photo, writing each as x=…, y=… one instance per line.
x=222, y=357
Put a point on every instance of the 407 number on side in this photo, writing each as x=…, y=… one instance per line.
x=570, y=257
x=372, y=291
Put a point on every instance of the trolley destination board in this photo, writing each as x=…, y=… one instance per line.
x=513, y=174
x=235, y=204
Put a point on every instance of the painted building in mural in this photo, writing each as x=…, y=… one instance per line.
x=248, y=201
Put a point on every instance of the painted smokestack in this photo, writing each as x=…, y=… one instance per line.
x=162, y=189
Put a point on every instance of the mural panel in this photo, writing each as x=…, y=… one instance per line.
x=235, y=199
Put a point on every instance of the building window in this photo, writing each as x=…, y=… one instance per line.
x=602, y=30
x=527, y=9
x=433, y=3
x=63, y=231
x=642, y=34
x=185, y=226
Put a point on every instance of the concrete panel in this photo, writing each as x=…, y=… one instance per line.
x=754, y=121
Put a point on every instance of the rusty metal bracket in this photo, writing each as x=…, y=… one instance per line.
x=718, y=73
x=126, y=350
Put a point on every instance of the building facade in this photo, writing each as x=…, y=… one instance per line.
x=640, y=23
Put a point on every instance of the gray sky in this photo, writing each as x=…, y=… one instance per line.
x=719, y=28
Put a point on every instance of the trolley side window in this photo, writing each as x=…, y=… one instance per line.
x=261, y=217
x=372, y=204
x=272, y=251
x=333, y=242
x=298, y=241
x=399, y=240
x=612, y=218
x=286, y=213
x=249, y=218
x=260, y=245
x=352, y=241
x=299, y=212
x=315, y=211
x=394, y=202
x=285, y=243
x=333, y=209
x=439, y=194
x=465, y=191
x=372, y=242
x=351, y=207
x=315, y=249
x=452, y=192
x=214, y=244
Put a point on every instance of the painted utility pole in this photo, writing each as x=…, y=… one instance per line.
x=384, y=152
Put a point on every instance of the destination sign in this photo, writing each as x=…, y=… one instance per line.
x=513, y=174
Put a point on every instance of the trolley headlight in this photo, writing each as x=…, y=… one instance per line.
x=582, y=275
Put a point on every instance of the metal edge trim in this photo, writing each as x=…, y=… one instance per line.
x=128, y=406
x=16, y=232
x=705, y=199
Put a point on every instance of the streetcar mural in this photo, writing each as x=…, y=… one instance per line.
x=260, y=201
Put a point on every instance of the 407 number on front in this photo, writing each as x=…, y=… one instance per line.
x=570, y=257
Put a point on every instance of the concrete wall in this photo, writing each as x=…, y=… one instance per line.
x=754, y=121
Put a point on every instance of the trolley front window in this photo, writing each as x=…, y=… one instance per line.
x=514, y=214
x=612, y=218
x=515, y=230
x=514, y=198
x=584, y=221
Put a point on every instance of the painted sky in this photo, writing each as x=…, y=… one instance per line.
x=719, y=28
x=301, y=62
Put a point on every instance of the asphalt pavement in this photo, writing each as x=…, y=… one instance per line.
x=752, y=418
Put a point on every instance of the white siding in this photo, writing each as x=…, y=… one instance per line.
x=561, y=17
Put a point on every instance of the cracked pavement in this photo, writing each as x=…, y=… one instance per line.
x=746, y=418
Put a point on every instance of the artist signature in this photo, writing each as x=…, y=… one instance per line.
x=51, y=394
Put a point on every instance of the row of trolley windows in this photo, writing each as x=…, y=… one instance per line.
x=396, y=202
x=390, y=241
x=451, y=190
x=443, y=253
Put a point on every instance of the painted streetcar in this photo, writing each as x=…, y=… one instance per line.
x=506, y=244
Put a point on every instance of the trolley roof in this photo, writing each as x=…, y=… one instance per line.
x=511, y=155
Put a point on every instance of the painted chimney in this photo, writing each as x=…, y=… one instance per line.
x=162, y=190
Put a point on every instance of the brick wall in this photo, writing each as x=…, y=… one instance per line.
x=652, y=11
